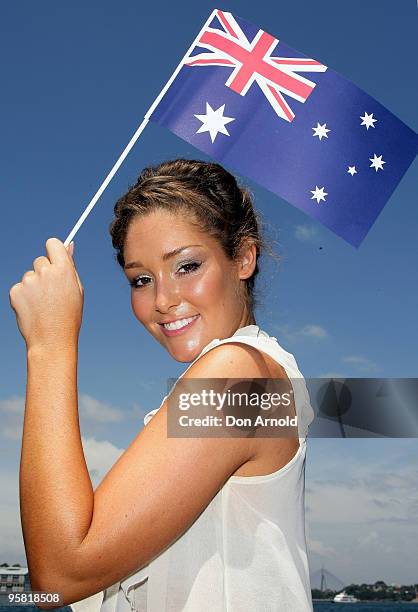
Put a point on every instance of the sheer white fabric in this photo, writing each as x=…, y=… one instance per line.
x=247, y=549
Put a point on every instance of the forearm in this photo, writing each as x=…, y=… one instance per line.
x=56, y=494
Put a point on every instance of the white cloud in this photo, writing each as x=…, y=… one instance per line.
x=332, y=375
x=100, y=457
x=306, y=233
x=12, y=405
x=319, y=548
x=363, y=503
x=96, y=410
x=310, y=330
x=355, y=495
x=365, y=512
x=11, y=539
x=12, y=432
x=313, y=331
x=361, y=363
x=11, y=414
x=373, y=543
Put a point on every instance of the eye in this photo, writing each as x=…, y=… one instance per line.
x=191, y=267
x=188, y=267
x=134, y=282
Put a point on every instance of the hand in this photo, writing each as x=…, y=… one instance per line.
x=48, y=301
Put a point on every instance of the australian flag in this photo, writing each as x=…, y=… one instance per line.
x=290, y=123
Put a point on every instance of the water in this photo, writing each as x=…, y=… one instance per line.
x=365, y=606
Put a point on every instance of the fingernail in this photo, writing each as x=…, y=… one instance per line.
x=71, y=248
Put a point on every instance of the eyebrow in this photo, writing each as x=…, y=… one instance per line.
x=166, y=256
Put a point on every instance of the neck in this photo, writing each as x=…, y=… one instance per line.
x=247, y=319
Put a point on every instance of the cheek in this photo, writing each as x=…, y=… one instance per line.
x=140, y=305
x=209, y=287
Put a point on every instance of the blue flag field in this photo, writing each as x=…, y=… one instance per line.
x=288, y=122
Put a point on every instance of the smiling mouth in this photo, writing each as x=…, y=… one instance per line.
x=179, y=324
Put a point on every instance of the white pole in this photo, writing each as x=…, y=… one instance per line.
x=105, y=182
x=134, y=138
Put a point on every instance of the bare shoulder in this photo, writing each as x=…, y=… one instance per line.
x=241, y=360
x=236, y=359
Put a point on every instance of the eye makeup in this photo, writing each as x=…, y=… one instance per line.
x=189, y=267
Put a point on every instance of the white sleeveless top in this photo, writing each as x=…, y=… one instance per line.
x=247, y=550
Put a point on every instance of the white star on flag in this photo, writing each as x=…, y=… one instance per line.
x=368, y=120
x=318, y=194
x=214, y=121
x=320, y=131
x=377, y=162
x=352, y=170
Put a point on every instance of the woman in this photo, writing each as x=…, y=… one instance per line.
x=178, y=524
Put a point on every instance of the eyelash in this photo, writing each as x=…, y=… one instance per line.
x=196, y=265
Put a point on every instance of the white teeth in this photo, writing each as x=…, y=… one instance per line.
x=179, y=324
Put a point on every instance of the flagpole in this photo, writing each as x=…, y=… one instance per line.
x=105, y=182
x=135, y=137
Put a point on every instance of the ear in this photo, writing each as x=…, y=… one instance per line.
x=247, y=260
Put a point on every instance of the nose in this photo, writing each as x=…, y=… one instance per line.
x=167, y=294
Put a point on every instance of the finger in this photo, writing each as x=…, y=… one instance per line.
x=78, y=280
x=70, y=248
x=27, y=275
x=70, y=251
x=40, y=262
x=56, y=251
x=12, y=294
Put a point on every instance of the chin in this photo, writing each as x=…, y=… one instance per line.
x=183, y=358
x=181, y=354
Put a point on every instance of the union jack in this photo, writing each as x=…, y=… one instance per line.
x=252, y=61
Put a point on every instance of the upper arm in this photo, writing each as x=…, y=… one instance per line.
x=158, y=487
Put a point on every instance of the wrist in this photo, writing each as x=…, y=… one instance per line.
x=53, y=349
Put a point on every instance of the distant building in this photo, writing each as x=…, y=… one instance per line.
x=13, y=579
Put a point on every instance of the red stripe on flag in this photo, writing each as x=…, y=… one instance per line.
x=226, y=24
x=298, y=62
x=251, y=63
x=282, y=103
x=198, y=62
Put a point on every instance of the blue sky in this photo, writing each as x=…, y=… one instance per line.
x=77, y=79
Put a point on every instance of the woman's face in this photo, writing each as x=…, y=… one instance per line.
x=197, y=283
